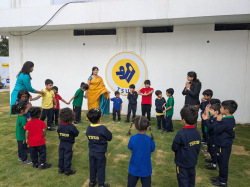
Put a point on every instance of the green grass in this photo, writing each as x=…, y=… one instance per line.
x=13, y=173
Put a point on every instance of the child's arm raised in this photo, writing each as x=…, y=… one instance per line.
x=27, y=136
x=35, y=98
x=149, y=93
x=139, y=93
x=64, y=101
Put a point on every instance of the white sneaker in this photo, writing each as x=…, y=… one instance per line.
x=119, y=122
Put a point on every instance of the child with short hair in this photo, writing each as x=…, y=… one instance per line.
x=160, y=103
x=77, y=103
x=146, y=102
x=21, y=108
x=67, y=133
x=132, y=102
x=98, y=135
x=117, y=106
x=141, y=146
x=186, y=146
x=225, y=133
x=168, y=126
x=35, y=137
x=56, y=110
x=207, y=95
x=48, y=98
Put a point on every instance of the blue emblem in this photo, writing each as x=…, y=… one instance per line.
x=128, y=75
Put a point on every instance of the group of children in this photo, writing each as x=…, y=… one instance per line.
x=218, y=133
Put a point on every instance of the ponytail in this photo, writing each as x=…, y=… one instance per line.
x=18, y=108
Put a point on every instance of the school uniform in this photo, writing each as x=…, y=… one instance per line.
x=77, y=104
x=98, y=135
x=20, y=137
x=116, y=108
x=132, y=104
x=225, y=133
x=67, y=133
x=159, y=102
x=186, y=146
x=146, y=102
x=169, y=114
x=56, y=110
x=203, y=123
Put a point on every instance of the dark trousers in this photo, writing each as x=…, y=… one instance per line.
x=118, y=113
x=212, y=148
x=132, y=181
x=145, y=108
x=49, y=114
x=97, y=164
x=55, y=116
x=65, y=155
x=77, y=110
x=34, y=154
x=22, y=150
x=168, y=123
x=131, y=107
x=160, y=121
x=185, y=176
x=204, y=134
x=223, y=161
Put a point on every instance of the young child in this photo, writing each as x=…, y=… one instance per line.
x=210, y=123
x=67, y=133
x=141, y=146
x=77, y=103
x=207, y=95
x=48, y=98
x=23, y=96
x=160, y=103
x=225, y=133
x=21, y=108
x=35, y=137
x=168, y=127
x=132, y=102
x=186, y=146
x=98, y=135
x=117, y=106
x=146, y=102
x=56, y=110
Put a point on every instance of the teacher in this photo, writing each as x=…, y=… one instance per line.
x=97, y=94
x=23, y=82
x=192, y=91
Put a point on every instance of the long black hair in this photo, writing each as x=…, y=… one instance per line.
x=194, y=75
x=93, y=69
x=26, y=68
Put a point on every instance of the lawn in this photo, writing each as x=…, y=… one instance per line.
x=13, y=173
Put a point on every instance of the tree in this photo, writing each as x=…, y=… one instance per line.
x=4, y=47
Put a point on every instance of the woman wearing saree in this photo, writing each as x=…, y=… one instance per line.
x=97, y=94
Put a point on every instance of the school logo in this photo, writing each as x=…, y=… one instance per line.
x=124, y=69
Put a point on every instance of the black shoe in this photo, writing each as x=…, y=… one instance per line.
x=104, y=185
x=127, y=121
x=51, y=129
x=71, y=172
x=172, y=130
x=214, y=178
x=92, y=184
x=208, y=160
x=157, y=128
x=60, y=170
x=35, y=165
x=44, y=166
x=218, y=183
x=164, y=131
x=76, y=122
x=80, y=121
x=210, y=166
x=52, y=125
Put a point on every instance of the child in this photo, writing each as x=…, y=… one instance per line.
x=67, y=133
x=35, y=137
x=48, y=98
x=160, y=102
x=56, y=110
x=186, y=146
x=21, y=108
x=225, y=133
x=132, y=102
x=208, y=94
x=117, y=106
x=77, y=103
x=146, y=102
x=168, y=127
x=98, y=135
x=141, y=146
x=210, y=123
x=23, y=96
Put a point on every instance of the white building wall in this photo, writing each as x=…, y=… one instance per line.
x=222, y=64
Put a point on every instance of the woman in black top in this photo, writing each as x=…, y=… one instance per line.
x=192, y=91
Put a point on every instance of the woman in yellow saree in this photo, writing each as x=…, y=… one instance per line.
x=97, y=94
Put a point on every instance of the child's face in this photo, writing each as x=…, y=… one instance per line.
x=24, y=98
x=207, y=97
x=117, y=95
x=49, y=86
x=223, y=111
x=55, y=91
x=131, y=89
x=213, y=112
x=159, y=96
x=168, y=94
x=147, y=85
